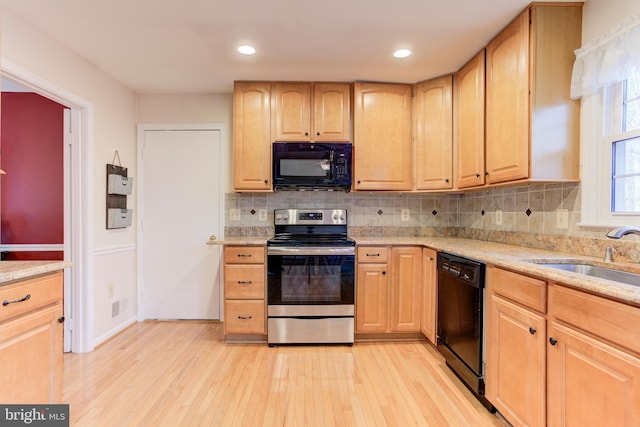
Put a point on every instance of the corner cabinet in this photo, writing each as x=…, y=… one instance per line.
x=311, y=112
x=383, y=155
x=252, y=136
x=31, y=349
x=469, y=101
x=433, y=134
x=532, y=125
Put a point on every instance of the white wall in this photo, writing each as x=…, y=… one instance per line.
x=113, y=129
x=599, y=16
x=191, y=109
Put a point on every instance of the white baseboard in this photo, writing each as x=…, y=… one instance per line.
x=114, y=331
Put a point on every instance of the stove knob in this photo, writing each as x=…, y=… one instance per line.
x=278, y=216
x=285, y=217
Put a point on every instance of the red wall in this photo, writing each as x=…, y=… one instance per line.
x=31, y=193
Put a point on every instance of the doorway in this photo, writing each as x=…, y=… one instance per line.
x=181, y=206
x=78, y=285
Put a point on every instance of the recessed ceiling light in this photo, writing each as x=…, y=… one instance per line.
x=246, y=49
x=402, y=53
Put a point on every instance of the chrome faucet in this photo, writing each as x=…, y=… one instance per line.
x=623, y=231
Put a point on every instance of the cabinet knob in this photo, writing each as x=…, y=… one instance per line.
x=266, y=181
x=317, y=133
x=532, y=330
x=306, y=134
x=384, y=273
x=477, y=175
x=61, y=319
x=359, y=181
x=553, y=341
x=446, y=180
x=486, y=173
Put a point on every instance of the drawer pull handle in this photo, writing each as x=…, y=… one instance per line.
x=245, y=317
x=244, y=255
x=6, y=302
x=553, y=341
x=373, y=254
x=532, y=330
x=244, y=282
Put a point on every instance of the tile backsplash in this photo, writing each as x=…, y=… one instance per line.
x=525, y=215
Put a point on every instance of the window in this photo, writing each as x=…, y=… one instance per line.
x=622, y=113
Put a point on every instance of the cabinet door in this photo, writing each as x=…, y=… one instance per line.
x=406, y=292
x=252, y=136
x=590, y=382
x=372, y=298
x=332, y=112
x=516, y=363
x=382, y=136
x=291, y=106
x=429, y=294
x=31, y=357
x=470, y=94
x=507, y=107
x=433, y=136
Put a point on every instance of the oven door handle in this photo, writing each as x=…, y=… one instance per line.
x=310, y=251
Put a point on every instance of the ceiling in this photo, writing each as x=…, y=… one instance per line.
x=189, y=46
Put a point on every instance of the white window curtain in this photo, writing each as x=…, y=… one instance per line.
x=608, y=59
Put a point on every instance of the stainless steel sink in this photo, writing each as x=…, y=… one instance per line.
x=596, y=271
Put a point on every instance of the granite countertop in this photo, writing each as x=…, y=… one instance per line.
x=517, y=258
x=16, y=270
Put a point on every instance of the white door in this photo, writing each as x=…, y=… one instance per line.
x=181, y=209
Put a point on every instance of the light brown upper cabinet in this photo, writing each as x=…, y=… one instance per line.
x=469, y=94
x=311, y=112
x=382, y=136
x=252, y=136
x=532, y=125
x=433, y=134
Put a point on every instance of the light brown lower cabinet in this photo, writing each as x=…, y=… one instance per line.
x=31, y=349
x=429, y=318
x=244, y=290
x=593, y=358
x=388, y=289
x=576, y=363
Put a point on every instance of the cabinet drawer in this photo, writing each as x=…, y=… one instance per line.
x=378, y=254
x=244, y=317
x=244, y=281
x=244, y=254
x=614, y=321
x=30, y=294
x=524, y=290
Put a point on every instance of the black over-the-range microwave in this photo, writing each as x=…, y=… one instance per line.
x=312, y=166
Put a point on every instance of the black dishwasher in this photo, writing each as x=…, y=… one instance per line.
x=461, y=319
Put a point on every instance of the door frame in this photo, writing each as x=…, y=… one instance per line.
x=78, y=196
x=142, y=128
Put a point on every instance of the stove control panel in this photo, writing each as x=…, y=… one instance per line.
x=310, y=217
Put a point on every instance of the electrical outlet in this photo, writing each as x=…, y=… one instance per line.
x=234, y=214
x=562, y=219
x=262, y=215
x=110, y=291
x=498, y=217
x=405, y=215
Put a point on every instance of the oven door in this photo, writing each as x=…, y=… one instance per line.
x=310, y=275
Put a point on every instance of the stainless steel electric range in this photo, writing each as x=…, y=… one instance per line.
x=310, y=278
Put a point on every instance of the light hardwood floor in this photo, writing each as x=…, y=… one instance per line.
x=184, y=374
